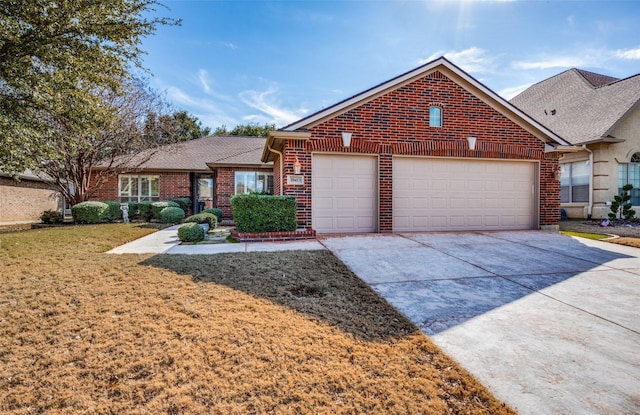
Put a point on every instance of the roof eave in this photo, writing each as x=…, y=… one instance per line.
x=241, y=165
x=275, y=143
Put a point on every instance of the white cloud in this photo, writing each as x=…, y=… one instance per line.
x=271, y=111
x=203, y=77
x=510, y=92
x=552, y=62
x=627, y=53
x=210, y=114
x=472, y=60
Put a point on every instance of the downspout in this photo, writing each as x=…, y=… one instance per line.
x=281, y=168
x=591, y=178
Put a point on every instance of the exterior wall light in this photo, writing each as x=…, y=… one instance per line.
x=472, y=142
x=346, y=139
x=297, y=167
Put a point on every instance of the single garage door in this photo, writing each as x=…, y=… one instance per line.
x=344, y=193
x=431, y=194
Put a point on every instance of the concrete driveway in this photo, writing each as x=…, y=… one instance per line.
x=549, y=323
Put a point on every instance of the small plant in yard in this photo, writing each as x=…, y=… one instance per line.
x=51, y=217
x=191, y=232
x=208, y=218
x=215, y=211
x=171, y=215
x=621, y=205
x=183, y=202
x=89, y=212
x=156, y=208
x=113, y=212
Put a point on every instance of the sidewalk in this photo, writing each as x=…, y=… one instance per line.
x=166, y=241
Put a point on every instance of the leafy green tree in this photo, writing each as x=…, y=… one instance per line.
x=179, y=126
x=57, y=60
x=250, y=130
x=621, y=205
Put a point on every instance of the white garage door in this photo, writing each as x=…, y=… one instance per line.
x=432, y=194
x=344, y=190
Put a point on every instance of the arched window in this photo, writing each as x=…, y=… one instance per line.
x=629, y=173
x=435, y=117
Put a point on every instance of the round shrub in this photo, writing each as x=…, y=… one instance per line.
x=171, y=215
x=156, y=208
x=144, y=208
x=209, y=218
x=89, y=212
x=51, y=217
x=113, y=211
x=190, y=232
x=215, y=211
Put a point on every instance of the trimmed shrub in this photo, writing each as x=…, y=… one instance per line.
x=156, y=208
x=89, y=212
x=183, y=202
x=204, y=217
x=144, y=208
x=257, y=213
x=215, y=211
x=51, y=217
x=171, y=215
x=113, y=211
x=190, y=232
x=133, y=209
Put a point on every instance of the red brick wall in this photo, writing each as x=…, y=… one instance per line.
x=397, y=123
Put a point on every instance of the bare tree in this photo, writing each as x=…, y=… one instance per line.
x=80, y=161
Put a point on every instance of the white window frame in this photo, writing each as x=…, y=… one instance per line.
x=250, y=180
x=125, y=193
x=435, y=117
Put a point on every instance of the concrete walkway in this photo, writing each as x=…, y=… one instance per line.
x=166, y=241
x=550, y=324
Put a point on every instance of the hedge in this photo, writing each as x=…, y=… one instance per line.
x=190, y=232
x=184, y=203
x=89, y=212
x=113, y=211
x=257, y=213
x=204, y=217
x=144, y=208
x=171, y=214
x=51, y=217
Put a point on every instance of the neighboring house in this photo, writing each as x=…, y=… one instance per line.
x=26, y=199
x=430, y=150
x=600, y=116
x=208, y=170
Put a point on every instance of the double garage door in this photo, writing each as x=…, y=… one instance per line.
x=429, y=194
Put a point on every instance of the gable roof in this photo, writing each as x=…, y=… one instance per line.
x=581, y=106
x=199, y=154
x=450, y=70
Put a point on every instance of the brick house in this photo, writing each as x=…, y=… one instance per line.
x=432, y=149
x=600, y=116
x=208, y=170
x=26, y=199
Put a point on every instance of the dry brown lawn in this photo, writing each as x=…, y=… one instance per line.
x=83, y=332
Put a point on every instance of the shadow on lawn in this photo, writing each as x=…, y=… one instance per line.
x=315, y=283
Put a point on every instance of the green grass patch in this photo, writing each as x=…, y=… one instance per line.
x=587, y=235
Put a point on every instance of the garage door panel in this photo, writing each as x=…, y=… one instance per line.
x=457, y=194
x=344, y=193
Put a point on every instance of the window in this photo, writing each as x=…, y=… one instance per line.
x=253, y=182
x=629, y=173
x=435, y=117
x=138, y=188
x=574, y=182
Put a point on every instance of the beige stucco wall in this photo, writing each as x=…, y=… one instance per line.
x=25, y=201
x=606, y=157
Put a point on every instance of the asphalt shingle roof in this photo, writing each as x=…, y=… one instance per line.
x=194, y=155
x=580, y=106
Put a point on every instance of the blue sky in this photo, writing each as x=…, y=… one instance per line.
x=236, y=62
